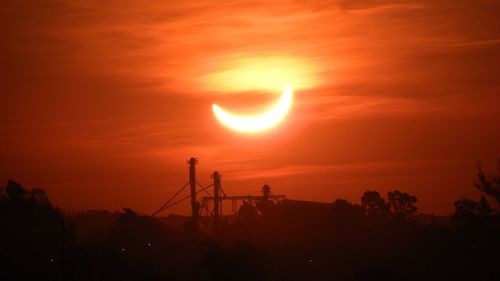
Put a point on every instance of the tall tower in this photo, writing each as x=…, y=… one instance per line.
x=266, y=191
x=217, y=200
x=195, y=207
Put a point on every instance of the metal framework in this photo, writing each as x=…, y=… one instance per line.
x=243, y=198
x=218, y=197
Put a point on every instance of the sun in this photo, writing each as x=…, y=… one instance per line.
x=260, y=122
x=244, y=74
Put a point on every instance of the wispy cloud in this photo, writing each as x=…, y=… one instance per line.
x=271, y=173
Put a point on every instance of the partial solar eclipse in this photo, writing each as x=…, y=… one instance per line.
x=259, y=122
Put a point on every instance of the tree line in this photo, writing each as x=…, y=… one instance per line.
x=381, y=238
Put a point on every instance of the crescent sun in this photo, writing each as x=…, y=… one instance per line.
x=257, y=123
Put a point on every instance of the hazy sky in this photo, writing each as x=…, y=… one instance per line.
x=102, y=102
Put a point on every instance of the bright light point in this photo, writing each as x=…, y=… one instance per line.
x=257, y=123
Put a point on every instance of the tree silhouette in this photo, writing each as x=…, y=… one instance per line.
x=471, y=214
x=14, y=190
x=402, y=204
x=33, y=231
x=489, y=184
x=375, y=206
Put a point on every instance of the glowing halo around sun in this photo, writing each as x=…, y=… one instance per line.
x=245, y=73
x=257, y=123
x=259, y=73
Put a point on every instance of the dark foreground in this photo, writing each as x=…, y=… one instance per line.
x=381, y=239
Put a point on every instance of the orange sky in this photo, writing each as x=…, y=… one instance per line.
x=102, y=102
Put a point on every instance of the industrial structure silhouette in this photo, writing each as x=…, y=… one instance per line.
x=211, y=205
